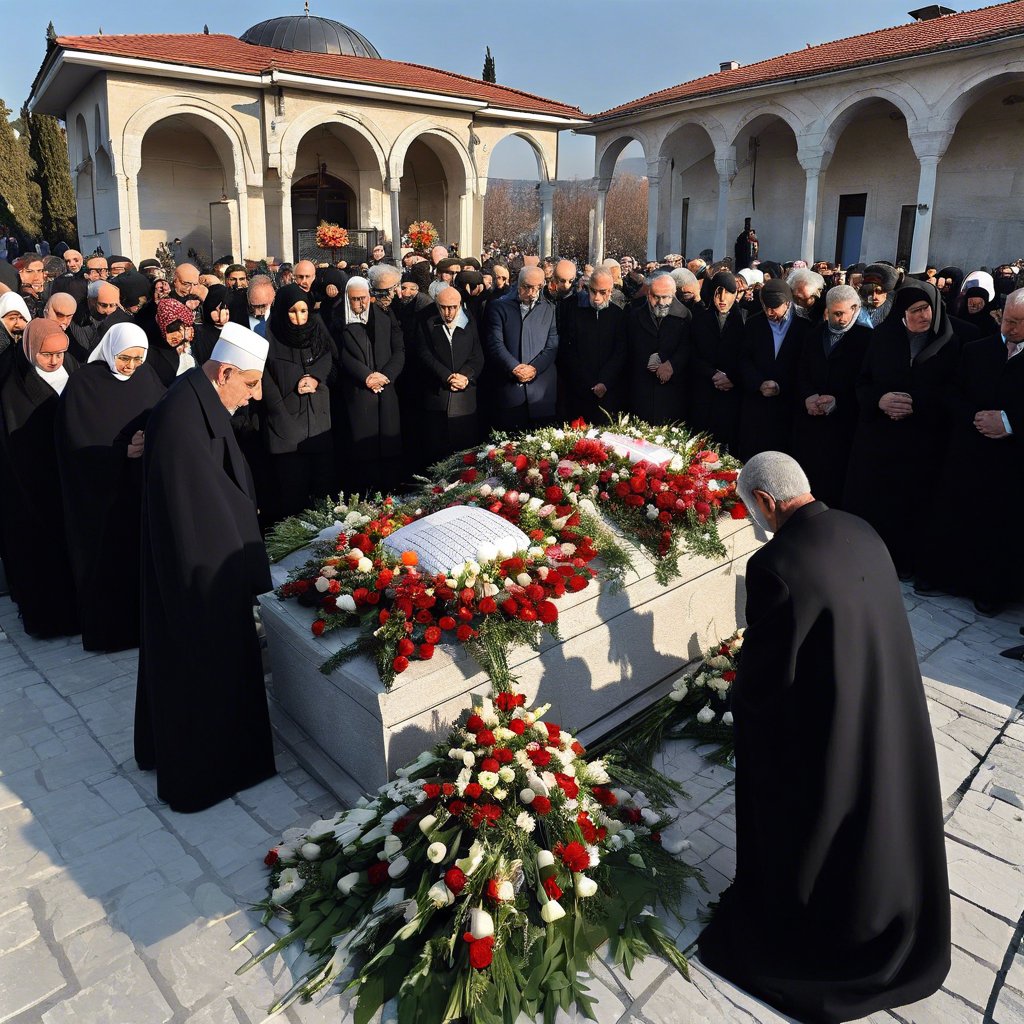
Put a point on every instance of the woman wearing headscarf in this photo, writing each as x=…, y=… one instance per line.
x=717, y=339
x=976, y=309
x=99, y=439
x=14, y=315
x=328, y=288
x=948, y=282
x=30, y=495
x=216, y=313
x=905, y=392
x=175, y=322
x=297, y=383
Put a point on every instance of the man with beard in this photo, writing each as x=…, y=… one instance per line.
x=772, y=342
x=808, y=288
x=521, y=345
x=593, y=353
x=826, y=382
x=840, y=903
x=657, y=331
x=877, y=289
x=200, y=575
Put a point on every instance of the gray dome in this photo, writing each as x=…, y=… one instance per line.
x=307, y=34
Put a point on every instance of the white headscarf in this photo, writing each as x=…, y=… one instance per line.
x=11, y=301
x=976, y=279
x=356, y=283
x=115, y=341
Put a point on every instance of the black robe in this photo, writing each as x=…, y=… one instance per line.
x=96, y=417
x=766, y=424
x=201, y=709
x=840, y=905
x=715, y=348
x=449, y=417
x=32, y=539
x=821, y=444
x=592, y=351
x=649, y=399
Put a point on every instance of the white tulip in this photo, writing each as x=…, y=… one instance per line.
x=552, y=912
x=436, y=852
x=440, y=895
x=427, y=823
x=545, y=858
x=398, y=867
x=392, y=845
x=310, y=851
x=481, y=924
x=524, y=579
x=584, y=886
x=468, y=864
x=705, y=715
x=348, y=882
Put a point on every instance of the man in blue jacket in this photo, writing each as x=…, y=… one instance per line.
x=520, y=343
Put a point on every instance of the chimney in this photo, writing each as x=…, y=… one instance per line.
x=931, y=12
x=728, y=65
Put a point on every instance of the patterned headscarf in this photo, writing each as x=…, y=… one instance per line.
x=169, y=310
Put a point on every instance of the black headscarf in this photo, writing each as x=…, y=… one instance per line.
x=956, y=275
x=216, y=296
x=326, y=276
x=283, y=329
x=983, y=318
x=941, y=330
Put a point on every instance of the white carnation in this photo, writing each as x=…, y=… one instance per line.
x=705, y=715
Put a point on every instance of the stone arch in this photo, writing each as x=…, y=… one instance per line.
x=543, y=172
x=84, y=150
x=427, y=130
x=607, y=154
x=834, y=122
x=961, y=96
x=770, y=108
x=315, y=117
x=220, y=129
x=688, y=193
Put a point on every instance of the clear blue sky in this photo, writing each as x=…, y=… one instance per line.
x=593, y=55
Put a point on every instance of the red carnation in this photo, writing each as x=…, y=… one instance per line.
x=468, y=476
x=605, y=797
x=469, y=459
x=488, y=606
x=576, y=583
x=485, y=738
x=502, y=755
x=540, y=757
x=474, y=723
x=455, y=879
x=547, y=612
x=361, y=541
x=554, y=732
x=729, y=676
x=738, y=511
x=481, y=952
x=426, y=652
x=509, y=606
x=573, y=855
x=384, y=616
x=473, y=790
x=318, y=627
x=271, y=858
x=432, y=789
x=541, y=805
x=490, y=764
x=405, y=646
x=568, y=785
x=456, y=807
x=432, y=634
x=518, y=726
x=527, y=614
x=447, y=788
x=378, y=873
x=447, y=622
x=400, y=664
x=554, y=494
x=464, y=633
x=552, y=889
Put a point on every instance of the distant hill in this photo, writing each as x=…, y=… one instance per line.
x=632, y=165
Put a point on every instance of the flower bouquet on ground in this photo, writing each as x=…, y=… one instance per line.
x=479, y=884
x=422, y=235
x=332, y=237
x=697, y=708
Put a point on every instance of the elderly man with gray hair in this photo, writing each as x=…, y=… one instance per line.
x=687, y=288
x=808, y=288
x=826, y=381
x=384, y=280
x=840, y=903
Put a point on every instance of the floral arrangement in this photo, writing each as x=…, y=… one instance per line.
x=330, y=236
x=422, y=234
x=558, y=486
x=478, y=885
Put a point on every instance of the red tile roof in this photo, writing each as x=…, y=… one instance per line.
x=226, y=53
x=919, y=37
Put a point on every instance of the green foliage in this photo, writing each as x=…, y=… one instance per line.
x=489, y=74
x=19, y=195
x=48, y=148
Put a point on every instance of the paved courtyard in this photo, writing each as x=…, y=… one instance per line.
x=113, y=909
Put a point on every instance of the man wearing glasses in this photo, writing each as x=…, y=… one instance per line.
x=96, y=268
x=384, y=280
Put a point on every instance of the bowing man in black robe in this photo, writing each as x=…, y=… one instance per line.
x=658, y=353
x=450, y=359
x=32, y=539
x=592, y=353
x=371, y=352
x=905, y=393
x=772, y=341
x=99, y=428
x=201, y=708
x=714, y=405
x=840, y=905
x=826, y=381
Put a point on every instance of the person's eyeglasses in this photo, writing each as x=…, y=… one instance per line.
x=131, y=360
x=382, y=293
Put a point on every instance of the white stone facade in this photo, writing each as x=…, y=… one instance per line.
x=936, y=139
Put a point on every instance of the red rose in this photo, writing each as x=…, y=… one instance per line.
x=432, y=789
x=633, y=815
x=465, y=613
x=540, y=757
x=384, y=616
x=527, y=614
x=509, y=606
x=426, y=652
x=405, y=646
x=490, y=764
x=573, y=855
x=432, y=634
x=361, y=541
x=541, y=805
x=464, y=633
x=400, y=664
x=577, y=748
x=552, y=889
x=488, y=606
x=738, y=511
x=423, y=617
x=518, y=726
x=473, y=790
x=455, y=879
x=271, y=858
x=547, y=612
x=729, y=676
x=481, y=952
x=521, y=463
x=384, y=578
x=400, y=825
x=447, y=622
x=554, y=732
x=378, y=873
x=621, y=489
x=485, y=738
x=318, y=627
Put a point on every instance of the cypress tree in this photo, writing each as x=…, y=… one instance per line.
x=489, y=73
x=49, y=150
x=19, y=211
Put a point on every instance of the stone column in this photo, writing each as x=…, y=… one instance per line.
x=395, y=192
x=243, y=225
x=597, y=253
x=725, y=164
x=653, y=198
x=815, y=162
x=547, y=218
x=287, y=238
x=929, y=147
x=128, y=214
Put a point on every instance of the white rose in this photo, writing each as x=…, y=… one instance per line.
x=347, y=882
x=552, y=912
x=365, y=565
x=584, y=886
x=310, y=851
x=534, y=504
x=705, y=715
x=727, y=718
x=346, y=603
x=321, y=585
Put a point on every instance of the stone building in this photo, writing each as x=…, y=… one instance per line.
x=906, y=143
x=243, y=145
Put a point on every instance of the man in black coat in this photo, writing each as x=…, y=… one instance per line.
x=826, y=389
x=201, y=709
x=451, y=360
x=658, y=353
x=772, y=342
x=592, y=354
x=840, y=905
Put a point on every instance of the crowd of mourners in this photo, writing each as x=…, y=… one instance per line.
x=900, y=395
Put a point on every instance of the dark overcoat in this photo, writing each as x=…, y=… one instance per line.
x=593, y=351
x=649, y=399
x=715, y=348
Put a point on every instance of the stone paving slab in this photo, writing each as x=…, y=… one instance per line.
x=115, y=909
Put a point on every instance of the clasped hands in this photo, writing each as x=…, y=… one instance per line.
x=376, y=382
x=769, y=388
x=307, y=385
x=989, y=423
x=458, y=382
x=721, y=381
x=897, y=405
x=819, y=405
x=662, y=370
x=524, y=373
